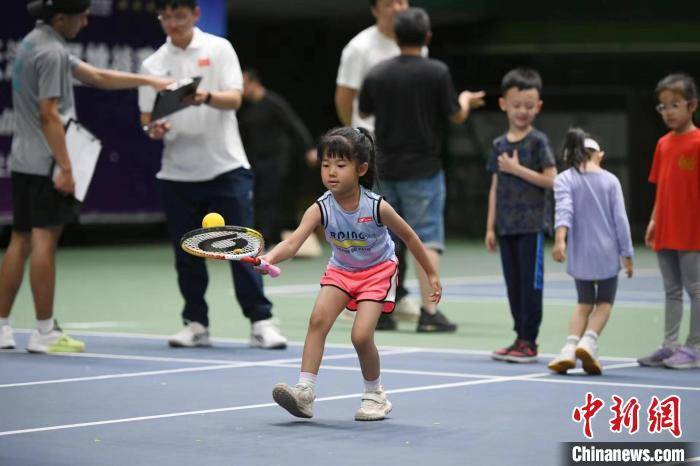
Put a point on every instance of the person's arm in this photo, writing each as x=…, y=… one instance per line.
x=366, y=104
x=650, y=234
x=112, y=80
x=564, y=216
x=54, y=132
x=544, y=179
x=287, y=248
x=490, y=240
x=622, y=228
x=400, y=228
x=344, y=97
x=230, y=99
x=467, y=101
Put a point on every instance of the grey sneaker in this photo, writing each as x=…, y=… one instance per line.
x=192, y=335
x=656, y=359
x=374, y=406
x=683, y=358
x=298, y=400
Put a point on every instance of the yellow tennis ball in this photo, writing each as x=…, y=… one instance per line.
x=212, y=220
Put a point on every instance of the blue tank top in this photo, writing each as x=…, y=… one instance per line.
x=358, y=239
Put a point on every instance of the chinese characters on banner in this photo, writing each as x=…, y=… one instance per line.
x=661, y=415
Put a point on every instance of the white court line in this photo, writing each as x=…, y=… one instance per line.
x=260, y=405
x=152, y=336
x=525, y=377
x=230, y=365
x=616, y=384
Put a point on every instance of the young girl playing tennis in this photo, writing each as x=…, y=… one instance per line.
x=361, y=274
x=591, y=218
x=674, y=229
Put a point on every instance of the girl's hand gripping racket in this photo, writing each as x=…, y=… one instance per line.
x=230, y=243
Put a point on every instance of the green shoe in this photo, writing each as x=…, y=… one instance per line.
x=54, y=342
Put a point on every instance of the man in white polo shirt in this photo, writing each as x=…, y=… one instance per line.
x=204, y=167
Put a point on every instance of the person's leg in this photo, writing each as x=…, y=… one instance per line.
x=507, y=245
x=230, y=194
x=374, y=406
x=531, y=273
x=690, y=271
x=670, y=267
x=42, y=269
x=12, y=270
x=269, y=179
x=298, y=399
x=183, y=212
x=605, y=297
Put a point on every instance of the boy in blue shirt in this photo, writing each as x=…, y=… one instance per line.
x=523, y=169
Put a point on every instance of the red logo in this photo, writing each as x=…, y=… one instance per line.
x=364, y=219
x=203, y=62
x=587, y=412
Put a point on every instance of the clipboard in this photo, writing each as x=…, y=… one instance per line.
x=170, y=100
x=83, y=151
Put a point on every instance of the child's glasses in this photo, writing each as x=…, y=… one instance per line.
x=675, y=105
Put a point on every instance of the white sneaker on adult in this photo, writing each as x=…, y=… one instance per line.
x=7, y=340
x=53, y=342
x=298, y=400
x=374, y=407
x=587, y=352
x=192, y=335
x=407, y=309
x=265, y=334
x=565, y=360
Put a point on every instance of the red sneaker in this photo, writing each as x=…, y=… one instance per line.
x=525, y=352
x=502, y=354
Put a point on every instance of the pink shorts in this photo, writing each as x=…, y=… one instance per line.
x=376, y=284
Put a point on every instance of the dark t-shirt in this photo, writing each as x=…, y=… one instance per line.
x=412, y=99
x=521, y=206
x=269, y=127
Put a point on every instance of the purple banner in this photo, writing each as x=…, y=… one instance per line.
x=120, y=34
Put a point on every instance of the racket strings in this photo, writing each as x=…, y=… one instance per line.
x=231, y=243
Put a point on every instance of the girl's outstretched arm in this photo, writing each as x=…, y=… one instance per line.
x=289, y=247
x=396, y=224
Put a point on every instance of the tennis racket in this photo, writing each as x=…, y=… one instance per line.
x=230, y=243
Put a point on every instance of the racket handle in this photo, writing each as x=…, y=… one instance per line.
x=273, y=270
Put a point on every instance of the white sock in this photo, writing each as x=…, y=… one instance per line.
x=591, y=334
x=572, y=340
x=373, y=385
x=307, y=378
x=5, y=321
x=44, y=326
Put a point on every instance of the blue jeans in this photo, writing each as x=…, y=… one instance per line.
x=421, y=203
x=185, y=203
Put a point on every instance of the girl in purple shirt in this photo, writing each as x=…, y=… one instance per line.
x=592, y=227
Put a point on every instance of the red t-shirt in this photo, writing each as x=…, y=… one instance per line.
x=676, y=173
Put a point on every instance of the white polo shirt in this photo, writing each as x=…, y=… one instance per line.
x=365, y=50
x=203, y=141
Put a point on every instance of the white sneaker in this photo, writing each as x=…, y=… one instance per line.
x=192, y=335
x=7, y=340
x=53, y=342
x=265, y=334
x=374, y=406
x=407, y=309
x=298, y=400
x=587, y=352
x=565, y=361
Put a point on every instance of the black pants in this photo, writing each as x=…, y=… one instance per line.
x=269, y=180
x=522, y=258
x=185, y=203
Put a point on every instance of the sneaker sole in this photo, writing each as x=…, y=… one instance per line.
x=691, y=365
x=7, y=347
x=381, y=417
x=287, y=401
x=521, y=359
x=561, y=366
x=256, y=344
x=434, y=329
x=177, y=344
x=590, y=364
x=499, y=357
x=650, y=364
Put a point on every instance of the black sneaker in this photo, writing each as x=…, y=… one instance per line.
x=386, y=322
x=434, y=322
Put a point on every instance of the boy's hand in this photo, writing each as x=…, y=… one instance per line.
x=508, y=164
x=650, y=235
x=490, y=241
x=559, y=251
x=437, y=288
x=629, y=266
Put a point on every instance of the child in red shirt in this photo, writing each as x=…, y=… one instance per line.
x=674, y=229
